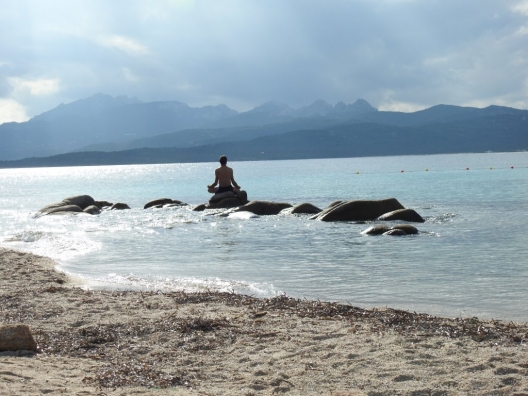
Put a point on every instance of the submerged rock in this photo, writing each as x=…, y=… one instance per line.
x=264, y=208
x=402, y=214
x=409, y=229
x=92, y=209
x=376, y=230
x=399, y=229
x=304, y=208
x=395, y=232
x=119, y=206
x=161, y=202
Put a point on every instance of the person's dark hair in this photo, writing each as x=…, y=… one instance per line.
x=223, y=160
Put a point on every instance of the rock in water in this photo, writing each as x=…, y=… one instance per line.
x=119, y=206
x=264, y=208
x=82, y=201
x=92, y=209
x=402, y=214
x=304, y=208
x=375, y=230
x=395, y=232
x=409, y=229
x=358, y=210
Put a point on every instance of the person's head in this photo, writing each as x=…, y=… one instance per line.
x=223, y=160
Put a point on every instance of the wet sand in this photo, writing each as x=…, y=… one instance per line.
x=133, y=343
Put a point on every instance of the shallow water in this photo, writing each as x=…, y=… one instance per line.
x=469, y=259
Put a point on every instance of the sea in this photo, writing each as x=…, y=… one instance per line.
x=470, y=257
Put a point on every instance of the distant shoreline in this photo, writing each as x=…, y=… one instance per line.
x=67, y=160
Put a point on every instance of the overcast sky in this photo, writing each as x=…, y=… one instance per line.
x=400, y=55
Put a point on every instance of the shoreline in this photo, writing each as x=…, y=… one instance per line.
x=132, y=342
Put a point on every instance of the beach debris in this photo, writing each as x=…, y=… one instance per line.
x=16, y=337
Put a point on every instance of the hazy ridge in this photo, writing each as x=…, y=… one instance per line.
x=120, y=130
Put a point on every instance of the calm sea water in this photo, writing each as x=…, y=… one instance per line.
x=469, y=259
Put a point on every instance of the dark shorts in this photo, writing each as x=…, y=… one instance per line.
x=224, y=189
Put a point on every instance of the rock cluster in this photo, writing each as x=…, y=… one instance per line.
x=86, y=204
x=354, y=210
x=76, y=204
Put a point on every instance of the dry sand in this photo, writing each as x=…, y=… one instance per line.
x=128, y=343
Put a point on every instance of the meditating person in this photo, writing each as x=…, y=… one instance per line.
x=224, y=178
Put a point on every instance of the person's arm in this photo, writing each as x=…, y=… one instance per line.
x=215, y=182
x=233, y=181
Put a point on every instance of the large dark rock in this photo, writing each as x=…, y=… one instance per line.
x=221, y=196
x=359, y=210
x=402, y=214
x=16, y=338
x=82, y=201
x=225, y=200
x=226, y=203
x=264, y=208
x=69, y=204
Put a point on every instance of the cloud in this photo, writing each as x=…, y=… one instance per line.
x=35, y=87
x=11, y=110
x=124, y=44
x=243, y=53
x=521, y=7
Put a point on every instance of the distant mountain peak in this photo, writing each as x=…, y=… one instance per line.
x=319, y=108
x=273, y=107
x=87, y=107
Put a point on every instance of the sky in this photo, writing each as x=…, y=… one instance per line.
x=399, y=55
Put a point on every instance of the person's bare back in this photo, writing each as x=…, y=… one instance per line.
x=224, y=177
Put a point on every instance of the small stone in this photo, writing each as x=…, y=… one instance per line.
x=16, y=338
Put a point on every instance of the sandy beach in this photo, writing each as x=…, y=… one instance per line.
x=128, y=343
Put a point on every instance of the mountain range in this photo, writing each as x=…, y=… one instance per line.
x=120, y=130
